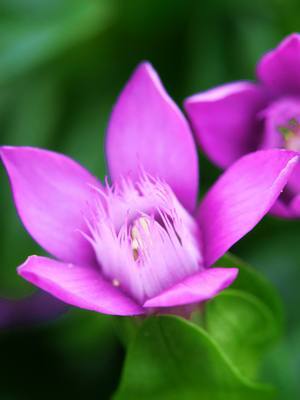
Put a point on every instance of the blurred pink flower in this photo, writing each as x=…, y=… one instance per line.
x=33, y=309
x=237, y=118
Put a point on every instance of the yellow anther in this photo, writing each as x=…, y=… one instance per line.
x=136, y=236
x=144, y=224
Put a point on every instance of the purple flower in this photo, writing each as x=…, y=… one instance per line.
x=237, y=118
x=36, y=308
x=139, y=244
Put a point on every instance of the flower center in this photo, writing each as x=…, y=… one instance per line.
x=291, y=134
x=282, y=127
x=144, y=240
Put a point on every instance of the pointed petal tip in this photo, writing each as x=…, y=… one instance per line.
x=145, y=70
x=5, y=152
x=278, y=68
x=25, y=268
x=145, y=117
x=22, y=266
x=145, y=66
x=79, y=286
x=50, y=192
x=292, y=39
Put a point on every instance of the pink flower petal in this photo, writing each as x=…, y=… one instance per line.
x=289, y=211
x=224, y=120
x=196, y=288
x=281, y=209
x=147, y=129
x=241, y=197
x=279, y=69
x=294, y=181
x=79, y=286
x=51, y=192
x=288, y=203
x=295, y=206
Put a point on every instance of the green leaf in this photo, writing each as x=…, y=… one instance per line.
x=251, y=281
x=246, y=319
x=243, y=326
x=126, y=328
x=171, y=358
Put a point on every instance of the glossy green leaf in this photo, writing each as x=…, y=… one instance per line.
x=171, y=358
x=246, y=319
x=250, y=280
x=243, y=326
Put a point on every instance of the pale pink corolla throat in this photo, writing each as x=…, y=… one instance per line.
x=143, y=238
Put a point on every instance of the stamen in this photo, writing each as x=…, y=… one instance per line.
x=285, y=132
x=282, y=122
x=291, y=134
x=137, y=243
x=293, y=123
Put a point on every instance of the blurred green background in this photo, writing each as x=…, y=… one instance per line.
x=62, y=64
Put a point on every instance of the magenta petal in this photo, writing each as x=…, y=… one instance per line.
x=283, y=210
x=79, y=286
x=148, y=130
x=51, y=192
x=196, y=288
x=225, y=122
x=294, y=181
x=241, y=197
x=288, y=204
x=295, y=206
x=279, y=69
